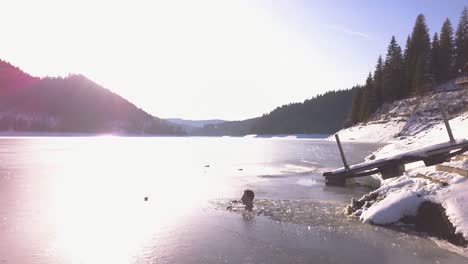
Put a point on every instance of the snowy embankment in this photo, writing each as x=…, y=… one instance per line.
x=408, y=125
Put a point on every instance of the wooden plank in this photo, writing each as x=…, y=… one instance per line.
x=343, y=158
x=445, y=168
x=446, y=122
x=443, y=183
x=461, y=157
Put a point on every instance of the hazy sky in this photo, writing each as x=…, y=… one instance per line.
x=229, y=59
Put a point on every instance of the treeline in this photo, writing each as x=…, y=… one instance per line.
x=421, y=65
x=228, y=128
x=321, y=114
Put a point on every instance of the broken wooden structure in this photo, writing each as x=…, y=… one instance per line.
x=395, y=166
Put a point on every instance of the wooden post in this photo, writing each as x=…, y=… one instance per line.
x=341, y=152
x=447, y=125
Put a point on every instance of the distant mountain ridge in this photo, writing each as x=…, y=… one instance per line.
x=228, y=128
x=70, y=104
x=190, y=125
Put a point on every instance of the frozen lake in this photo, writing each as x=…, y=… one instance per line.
x=81, y=200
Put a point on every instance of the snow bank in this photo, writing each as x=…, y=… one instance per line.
x=402, y=196
x=455, y=201
x=393, y=208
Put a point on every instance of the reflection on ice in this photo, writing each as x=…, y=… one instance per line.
x=81, y=200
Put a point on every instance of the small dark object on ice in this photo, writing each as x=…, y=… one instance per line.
x=207, y=166
x=247, y=199
x=240, y=169
x=146, y=198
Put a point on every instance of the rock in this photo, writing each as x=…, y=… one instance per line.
x=348, y=210
x=358, y=213
x=357, y=204
x=432, y=219
x=369, y=197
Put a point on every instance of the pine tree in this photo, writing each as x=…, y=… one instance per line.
x=435, y=59
x=393, y=72
x=378, y=81
x=356, y=106
x=368, y=99
x=406, y=89
x=419, y=57
x=461, y=41
x=447, y=63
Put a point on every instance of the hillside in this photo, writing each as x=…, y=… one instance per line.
x=407, y=118
x=323, y=114
x=70, y=104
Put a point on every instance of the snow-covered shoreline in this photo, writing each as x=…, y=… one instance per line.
x=407, y=125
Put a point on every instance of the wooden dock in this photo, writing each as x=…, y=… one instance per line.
x=395, y=166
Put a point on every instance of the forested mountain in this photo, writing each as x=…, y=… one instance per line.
x=229, y=128
x=421, y=66
x=321, y=114
x=190, y=125
x=71, y=104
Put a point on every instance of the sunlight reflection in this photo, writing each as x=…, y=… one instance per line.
x=90, y=191
x=99, y=210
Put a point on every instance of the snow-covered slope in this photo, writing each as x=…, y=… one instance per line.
x=408, y=118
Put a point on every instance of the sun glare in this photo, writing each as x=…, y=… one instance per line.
x=172, y=58
x=99, y=212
